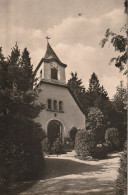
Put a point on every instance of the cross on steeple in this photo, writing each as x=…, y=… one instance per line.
x=47, y=39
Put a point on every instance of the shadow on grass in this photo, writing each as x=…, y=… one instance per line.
x=60, y=167
x=17, y=188
x=56, y=168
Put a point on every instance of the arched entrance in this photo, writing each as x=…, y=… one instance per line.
x=54, y=131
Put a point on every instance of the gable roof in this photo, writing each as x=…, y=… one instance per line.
x=69, y=89
x=76, y=99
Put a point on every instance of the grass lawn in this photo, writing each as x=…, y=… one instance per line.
x=64, y=176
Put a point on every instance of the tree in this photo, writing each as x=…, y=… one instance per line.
x=97, y=96
x=119, y=42
x=121, y=182
x=76, y=86
x=21, y=155
x=120, y=103
x=120, y=98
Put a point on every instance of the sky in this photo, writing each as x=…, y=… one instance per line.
x=75, y=39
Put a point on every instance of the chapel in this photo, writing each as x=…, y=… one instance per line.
x=62, y=109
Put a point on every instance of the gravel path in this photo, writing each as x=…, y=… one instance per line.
x=68, y=175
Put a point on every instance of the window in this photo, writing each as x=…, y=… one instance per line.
x=60, y=105
x=55, y=105
x=54, y=73
x=40, y=75
x=49, y=104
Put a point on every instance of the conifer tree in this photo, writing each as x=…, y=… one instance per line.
x=78, y=89
x=96, y=93
x=120, y=105
x=98, y=97
x=21, y=155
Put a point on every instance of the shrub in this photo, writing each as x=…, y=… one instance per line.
x=95, y=117
x=46, y=146
x=84, y=143
x=95, y=122
x=121, y=182
x=68, y=144
x=100, y=152
x=73, y=133
x=57, y=147
x=112, y=138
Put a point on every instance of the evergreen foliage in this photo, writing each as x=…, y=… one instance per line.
x=100, y=152
x=121, y=182
x=97, y=94
x=57, y=147
x=120, y=105
x=112, y=138
x=85, y=143
x=76, y=86
x=73, y=133
x=46, y=146
x=95, y=121
x=21, y=155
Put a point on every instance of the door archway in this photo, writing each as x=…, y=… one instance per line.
x=54, y=131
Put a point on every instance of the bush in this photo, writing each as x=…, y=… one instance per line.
x=57, y=147
x=84, y=143
x=121, y=182
x=73, y=133
x=95, y=122
x=100, y=152
x=112, y=138
x=100, y=134
x=21, y=159
x=46, y=146
x=68, y=144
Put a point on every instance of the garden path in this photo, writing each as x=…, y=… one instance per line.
x=66, y=175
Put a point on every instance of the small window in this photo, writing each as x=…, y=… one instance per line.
x=60, y=105
x=40, y=75
x=55, y=105
x=54, y=73
x=49, y=104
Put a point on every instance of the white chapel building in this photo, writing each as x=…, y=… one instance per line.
x=62, y=109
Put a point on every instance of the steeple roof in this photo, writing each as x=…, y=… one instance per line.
x=50, y=54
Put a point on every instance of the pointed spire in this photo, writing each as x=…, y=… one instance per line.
x=50, y=53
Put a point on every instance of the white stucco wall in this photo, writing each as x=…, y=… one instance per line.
x=38, y=72
x=72, y=115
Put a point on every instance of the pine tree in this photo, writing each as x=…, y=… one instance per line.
x=98, y=97
x=120, y=103
x=94, y=85
x=78, y=89
x=120, y=98
x=96, y=93
x=20, y=136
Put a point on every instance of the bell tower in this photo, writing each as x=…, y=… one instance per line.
x=57, y=118
x=50, y=68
